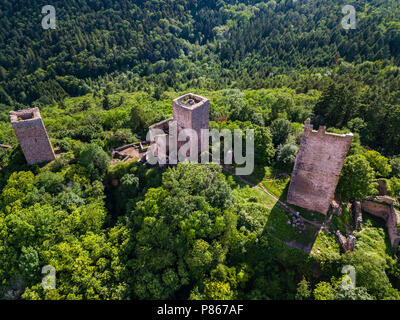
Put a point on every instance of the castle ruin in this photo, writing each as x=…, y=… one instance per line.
x=32, y=136
x=383, y=207
x=317, y=168
x=190, y=111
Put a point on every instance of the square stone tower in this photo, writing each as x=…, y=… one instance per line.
x=317, y=168
x=192, y=111
x=32, y=136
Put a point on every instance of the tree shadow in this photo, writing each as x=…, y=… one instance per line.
x=284, y=226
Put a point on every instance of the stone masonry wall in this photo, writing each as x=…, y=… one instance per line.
x=383, y=207
x=32, y=136
x=317, y=168
x=192, y=112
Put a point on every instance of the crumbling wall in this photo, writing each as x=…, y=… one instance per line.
x=154, y=129
x=348, y=243
x=336, y=208
x=377, y=208
x=357, y=212
x=32, y=136
x=317, y=168
x=382, y=187
x=383, y=207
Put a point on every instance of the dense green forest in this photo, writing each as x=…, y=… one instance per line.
x=130, y=231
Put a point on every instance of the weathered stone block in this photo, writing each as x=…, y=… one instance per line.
x=192, y=111
x=317, y=168
x=32, y=136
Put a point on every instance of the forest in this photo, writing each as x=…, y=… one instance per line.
x=129, y=231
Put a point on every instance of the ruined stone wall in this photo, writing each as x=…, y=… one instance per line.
x=32, y=136
x=162, y=125
x=380, y=210
x=383, y=207
x=348, y=243
x=357, y=212
x=317, y=168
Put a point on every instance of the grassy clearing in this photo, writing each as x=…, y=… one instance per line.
x=278, y=187
x=275, y=218
x=310, y=215
x=278, y=226
x=326, y=247
x=247, y=194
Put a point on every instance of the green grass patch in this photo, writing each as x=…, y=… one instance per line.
x=278, y=187
x=247, y=194
x=278, y=227
x=276, y=219
x=326, y=248
x=375, y=241
x=345, y=222
x=310, y=215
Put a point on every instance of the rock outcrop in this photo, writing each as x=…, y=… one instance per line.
x=357, y=212
x=336, y=208
x=348, y=243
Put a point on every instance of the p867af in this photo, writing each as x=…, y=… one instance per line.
x=223, y=309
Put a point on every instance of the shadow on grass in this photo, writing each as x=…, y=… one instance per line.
x=278, y=187
x=278, y=226
x=257, y=176
x=262, y=173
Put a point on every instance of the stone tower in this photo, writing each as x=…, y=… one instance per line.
x=32, y=136
x=192, y=112
x=317, y=168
